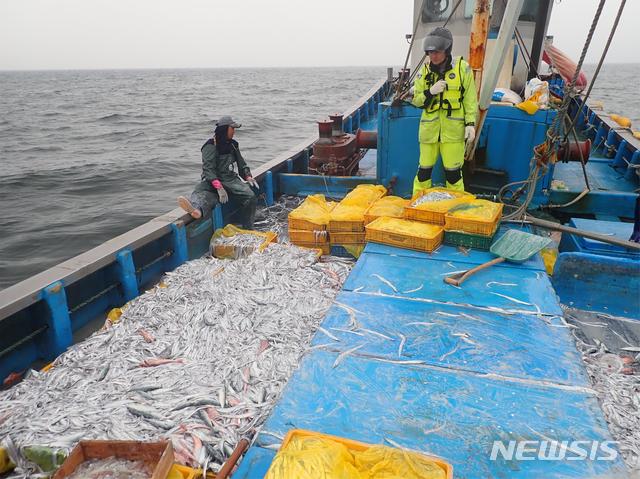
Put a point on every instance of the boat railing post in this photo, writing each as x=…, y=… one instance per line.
x=632, y=167
x=591, y=125
x=58, y=333
x=609, y=146
x=582, y=117
x=599, y=139
x=268, y=187
x=618, y=160
x=218, y=218
x=290, y=165
x=348, y=124
x=180, y=251
x=127, y=274
x=305, y=161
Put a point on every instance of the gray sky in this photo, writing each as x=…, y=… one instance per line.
x=69, y=34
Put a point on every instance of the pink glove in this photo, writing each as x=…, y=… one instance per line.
x=216, y=184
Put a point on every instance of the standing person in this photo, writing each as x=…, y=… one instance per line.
x=224, y=173
x=446, y=92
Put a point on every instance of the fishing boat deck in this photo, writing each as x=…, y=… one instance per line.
x=489, y=361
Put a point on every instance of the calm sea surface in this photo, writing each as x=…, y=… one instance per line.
x=88, y=155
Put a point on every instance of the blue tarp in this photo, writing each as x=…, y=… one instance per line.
x=474, y=368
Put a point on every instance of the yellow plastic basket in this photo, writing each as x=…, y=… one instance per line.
x=318, y=237
x=178, y=471
x=464, y=219
x=409, y=234
x=434, y=212
x=346, y=238
x=391, y=206
x=346, y=226
x=355, y=447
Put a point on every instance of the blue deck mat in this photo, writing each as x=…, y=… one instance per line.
x=454, y=414
x=453, y=253
x=520, y=346
x=423, y=279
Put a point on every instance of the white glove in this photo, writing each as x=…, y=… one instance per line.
x=222, y=194
x=469, y=133
x=438, y=87
x=252, y=182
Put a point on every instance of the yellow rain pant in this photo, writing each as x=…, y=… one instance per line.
x=452, y=159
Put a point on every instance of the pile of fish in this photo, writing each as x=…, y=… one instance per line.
x=200, y=359
x=433, y=197
x=111, y=468
x=612, y=363
x=275, y=217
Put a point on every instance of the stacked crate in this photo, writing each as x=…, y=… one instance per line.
x=308, y=224
x=473, y=224
x=346, y=224
x=421, y=228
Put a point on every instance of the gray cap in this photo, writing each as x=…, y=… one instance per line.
x=439, y=39
x=227, y=121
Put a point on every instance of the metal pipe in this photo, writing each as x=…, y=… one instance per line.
x=586, y=234
x=228, y=466
x=367, y=139
x=492, y=72
x=478, y=40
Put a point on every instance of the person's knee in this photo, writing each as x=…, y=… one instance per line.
x=424, y=174
x=453, y=176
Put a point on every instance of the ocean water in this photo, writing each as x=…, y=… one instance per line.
x=88, y=155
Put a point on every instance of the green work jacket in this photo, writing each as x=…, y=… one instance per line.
x=224, y=167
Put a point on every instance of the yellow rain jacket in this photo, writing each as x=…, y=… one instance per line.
x=445, y=115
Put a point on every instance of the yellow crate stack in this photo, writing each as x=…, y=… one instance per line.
x=308, y=223
x=347, y=219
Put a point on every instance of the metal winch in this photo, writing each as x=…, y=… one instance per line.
x=336, y=152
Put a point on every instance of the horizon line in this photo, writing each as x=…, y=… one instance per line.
x=231, y=67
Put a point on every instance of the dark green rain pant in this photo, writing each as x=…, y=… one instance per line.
x=205, y=198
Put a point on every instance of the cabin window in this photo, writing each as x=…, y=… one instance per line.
x=436, y=10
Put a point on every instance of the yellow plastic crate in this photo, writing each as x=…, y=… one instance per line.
x=346, y=238
x=300, y=224
x=356, y=447
x=434, y=212
x=178, y=471
x=346, y=226
x=307, y=236
x=391, y=206
x=466, y=221
x=322, y=249
x=404, y=233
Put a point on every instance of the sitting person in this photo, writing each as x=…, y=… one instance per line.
x=224, y=173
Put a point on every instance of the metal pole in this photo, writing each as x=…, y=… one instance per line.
x=478, y=40
x=492, y=72
x=586, y=234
